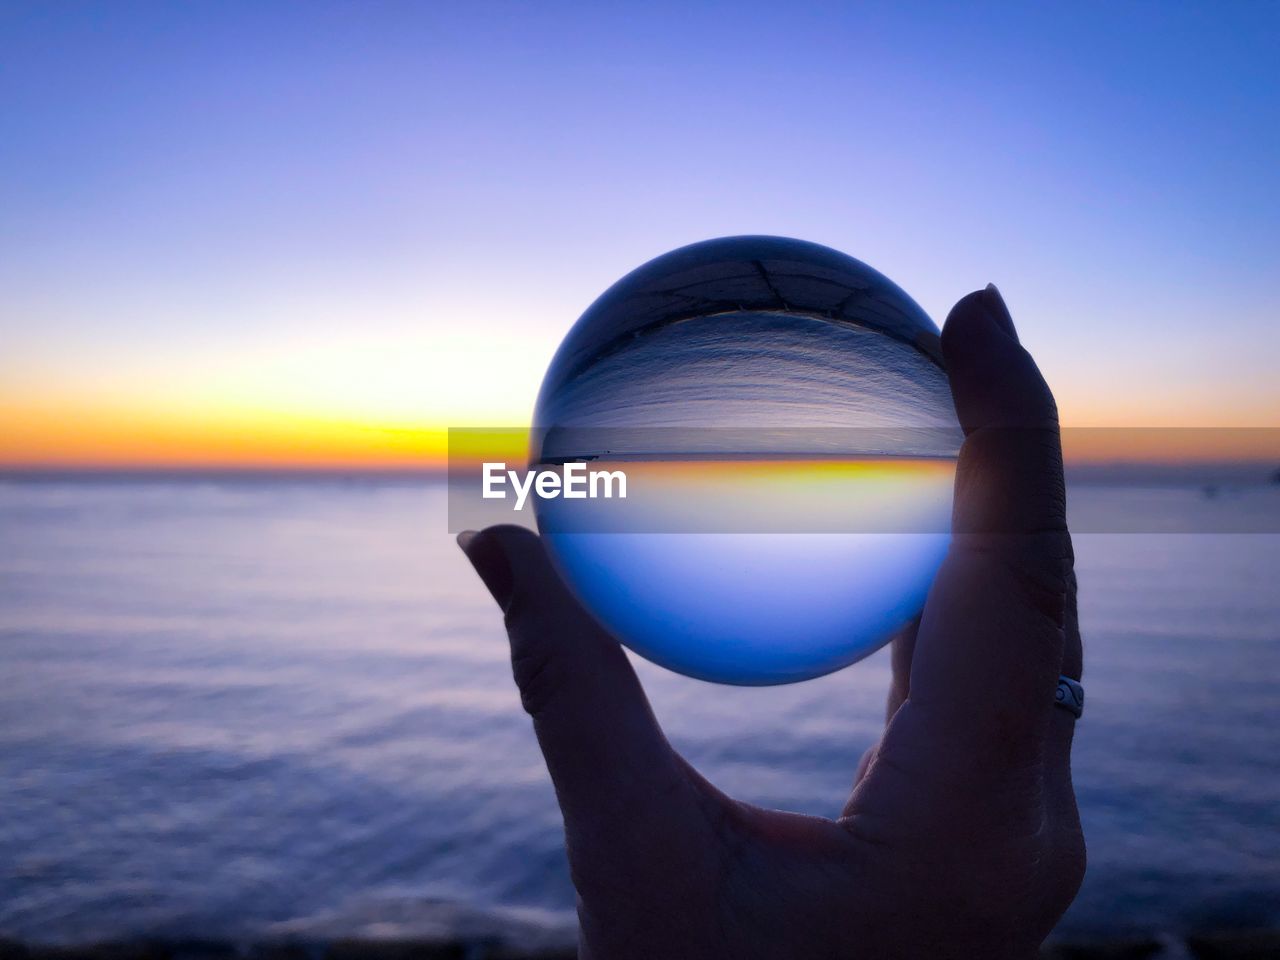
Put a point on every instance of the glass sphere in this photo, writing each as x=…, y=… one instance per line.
x=787, y=432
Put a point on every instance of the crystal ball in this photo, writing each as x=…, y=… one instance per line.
x=784, y=423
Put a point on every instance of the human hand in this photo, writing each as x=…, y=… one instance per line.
x=961, y=837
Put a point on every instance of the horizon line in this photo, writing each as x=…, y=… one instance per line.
x=1268, y=468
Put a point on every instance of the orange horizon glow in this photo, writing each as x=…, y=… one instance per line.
x=73, y=436
x=69, y=437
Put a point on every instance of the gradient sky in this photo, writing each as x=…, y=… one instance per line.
x=273, y=233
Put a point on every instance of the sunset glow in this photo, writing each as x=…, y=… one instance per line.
x=241, y=239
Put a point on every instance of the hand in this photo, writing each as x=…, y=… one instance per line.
x=961, y=838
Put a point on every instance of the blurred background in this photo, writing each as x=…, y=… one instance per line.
x=256, y=259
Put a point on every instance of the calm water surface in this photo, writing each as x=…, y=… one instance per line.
x=273, y=708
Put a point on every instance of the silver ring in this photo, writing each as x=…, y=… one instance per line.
x=1070, y=696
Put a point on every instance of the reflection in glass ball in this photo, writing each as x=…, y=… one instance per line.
x=789, y=438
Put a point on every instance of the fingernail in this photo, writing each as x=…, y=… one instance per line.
x=490, y=562
x=999, y=310
x=971, y=331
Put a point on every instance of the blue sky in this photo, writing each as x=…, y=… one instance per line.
x=388, y=214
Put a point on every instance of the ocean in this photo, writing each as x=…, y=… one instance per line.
x=257, y=708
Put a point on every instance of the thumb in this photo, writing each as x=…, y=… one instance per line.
x=612, y=768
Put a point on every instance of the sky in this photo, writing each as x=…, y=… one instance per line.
x=320, y=234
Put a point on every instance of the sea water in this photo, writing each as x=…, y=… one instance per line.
x=283, y=708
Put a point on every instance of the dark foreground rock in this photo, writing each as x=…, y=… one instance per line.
x=1238, y=945
x=1242, y=945
x=1139, y=949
